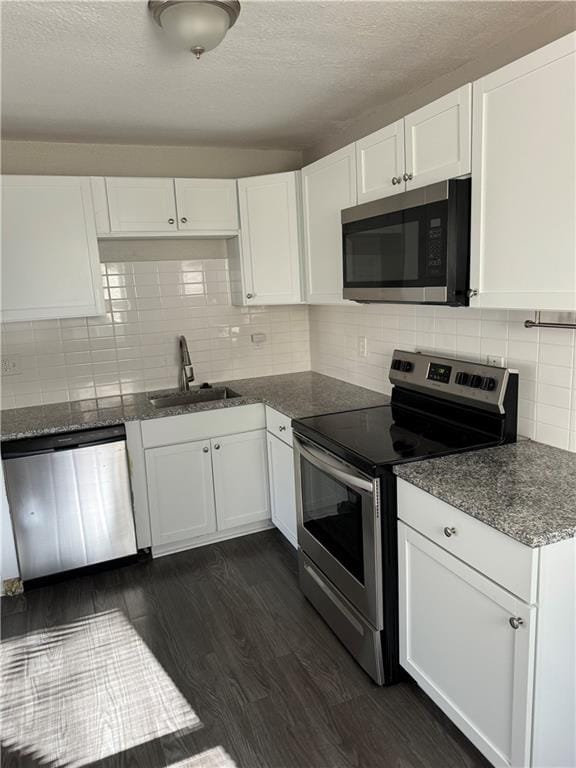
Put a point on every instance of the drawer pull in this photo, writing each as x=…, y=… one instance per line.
x=516, y=622
x=282, y=429
x=449, y=531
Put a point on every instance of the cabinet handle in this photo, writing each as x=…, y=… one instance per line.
x=407, y=177
x=170, y=221
x=282, y=429
x=449, y=531
x=472, y=292
x=516, y=622
x=217, y=446
x=205, y=449
x=249, y=295
x=183, y=219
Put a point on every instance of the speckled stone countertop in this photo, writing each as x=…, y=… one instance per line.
x=526, y=490
x=295, y=394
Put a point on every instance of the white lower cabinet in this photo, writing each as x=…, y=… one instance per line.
x=457, y=642
x=205, y=489
x=180, y=492
x=500, y=665
x=240, y=479
x=282, y=487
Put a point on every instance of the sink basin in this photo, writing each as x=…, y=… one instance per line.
x=193, y=396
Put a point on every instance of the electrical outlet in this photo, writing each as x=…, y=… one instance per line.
x=11, y=366
x=362, y=346
x=495, y=360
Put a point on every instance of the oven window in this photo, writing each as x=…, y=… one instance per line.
x=332, y=514
x=384, y=255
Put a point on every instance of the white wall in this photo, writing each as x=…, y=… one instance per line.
x=134, y=346
x=71, y=159
x=546, y=359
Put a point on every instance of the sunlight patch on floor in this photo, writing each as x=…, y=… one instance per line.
x=211, y=758
x=78, y=693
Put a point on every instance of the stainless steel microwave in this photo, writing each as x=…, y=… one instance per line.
x=410, y=248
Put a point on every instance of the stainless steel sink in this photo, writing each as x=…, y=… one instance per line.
x=204, y=395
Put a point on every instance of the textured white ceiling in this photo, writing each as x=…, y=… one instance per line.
x=287, y=73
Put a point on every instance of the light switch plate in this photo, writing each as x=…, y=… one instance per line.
x=11, y=366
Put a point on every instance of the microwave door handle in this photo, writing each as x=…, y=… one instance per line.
x=323, y=462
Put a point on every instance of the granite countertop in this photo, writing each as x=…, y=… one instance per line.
x=526, y=490
x=295, y=394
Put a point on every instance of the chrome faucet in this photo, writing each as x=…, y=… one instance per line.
x=185, y=371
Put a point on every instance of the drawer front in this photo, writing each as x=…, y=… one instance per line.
x=279, y=424
x=500, y=558
x=200, y=426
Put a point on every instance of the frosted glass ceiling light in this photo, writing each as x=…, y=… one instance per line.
x=195, y=25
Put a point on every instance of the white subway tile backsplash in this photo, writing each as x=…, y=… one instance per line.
x=544, y=358
x=134, y=346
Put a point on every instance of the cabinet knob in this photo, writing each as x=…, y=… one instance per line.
x=395, y=180
x=217, y=446
x=171, y=221
x=407, y=177
x=516, y=622
x=472, y=292
x=205, y=449
x=282, y=429
x=249, y=295
x=449, y=531
x=183, y=219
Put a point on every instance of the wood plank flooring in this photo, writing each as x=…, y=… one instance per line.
x=272, y=686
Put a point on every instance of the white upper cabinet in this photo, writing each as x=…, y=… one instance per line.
x=206, y=205
x=380, y=163
x=523, y=248
x=429, y=145
x=50, y=262
x=438, y=139
x=141, y=205
x=328, y=186
x=241, y=479
x=270, y=248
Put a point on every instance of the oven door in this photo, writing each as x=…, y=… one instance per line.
x=339, y=526
x=396, y=255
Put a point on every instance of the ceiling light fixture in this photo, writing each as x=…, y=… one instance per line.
x=195, y=25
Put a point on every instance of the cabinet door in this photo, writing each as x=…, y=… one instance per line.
x=380, y=163
x=50, y=261
x=241, y=479
x=141, y=205
x=207, y=205
x=438, y=139
x=524, y=186
x=282, y=488
x=457, y=642
x=270, y=238
x=180, y=492
x=328, y=186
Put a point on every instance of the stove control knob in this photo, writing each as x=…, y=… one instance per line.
x=396, y=364
x=488, y=384
x=406, y=366
x=462, y=378
x=475, y=381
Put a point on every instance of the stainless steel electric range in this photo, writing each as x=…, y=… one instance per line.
x=346, y=489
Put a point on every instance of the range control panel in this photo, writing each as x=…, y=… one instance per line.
x=452, y=379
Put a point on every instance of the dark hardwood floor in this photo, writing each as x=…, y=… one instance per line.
x=271, y=685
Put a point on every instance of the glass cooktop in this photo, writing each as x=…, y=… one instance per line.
x=389, y=434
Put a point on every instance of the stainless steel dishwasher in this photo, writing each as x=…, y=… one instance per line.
x=70, y=500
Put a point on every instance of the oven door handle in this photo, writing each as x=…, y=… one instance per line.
x=326, y=463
